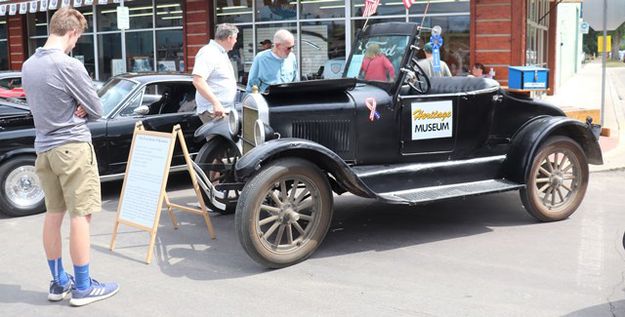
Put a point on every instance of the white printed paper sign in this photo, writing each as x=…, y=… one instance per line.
x=43, y=5
x=12, y=9
x=432, y=120
x=3, y=10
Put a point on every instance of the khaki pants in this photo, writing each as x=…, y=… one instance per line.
x=70, y=179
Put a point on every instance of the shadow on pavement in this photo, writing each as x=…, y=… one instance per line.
x=608, y=309
x=359, y=225
x=10, y=294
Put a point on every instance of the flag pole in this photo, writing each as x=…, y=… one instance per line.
x=425, y=13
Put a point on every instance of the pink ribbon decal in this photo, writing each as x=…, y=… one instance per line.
x=371, y=104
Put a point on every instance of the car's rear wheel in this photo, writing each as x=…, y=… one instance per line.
x=284, y=213
x=217, y=158
x=20, y=190
x=557, y=180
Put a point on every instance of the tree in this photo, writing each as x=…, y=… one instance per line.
x=617, y=40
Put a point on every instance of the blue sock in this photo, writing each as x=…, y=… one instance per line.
x=81, y=276
x=58, y=273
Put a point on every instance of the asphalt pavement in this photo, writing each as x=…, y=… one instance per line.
x=481, y=256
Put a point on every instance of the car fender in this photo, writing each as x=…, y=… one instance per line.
x=211, y=129
x=526, y=142
x=324, y=158
x=17, y=152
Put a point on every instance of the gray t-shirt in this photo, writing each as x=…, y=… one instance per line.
x=55, y=84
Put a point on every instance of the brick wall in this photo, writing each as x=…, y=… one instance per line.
x=198, y=17
x=498, y=35
x=16, y=27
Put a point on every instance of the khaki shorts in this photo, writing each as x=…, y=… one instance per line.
x=70, y=179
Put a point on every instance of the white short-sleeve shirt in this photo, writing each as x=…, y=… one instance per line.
x=212, y=64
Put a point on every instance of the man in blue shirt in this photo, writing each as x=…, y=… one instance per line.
x=274, y=66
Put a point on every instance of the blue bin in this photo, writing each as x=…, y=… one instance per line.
x=528, y=78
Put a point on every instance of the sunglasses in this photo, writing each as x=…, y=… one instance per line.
x=289, y=47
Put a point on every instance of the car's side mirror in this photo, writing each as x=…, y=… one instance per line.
x=141, y=110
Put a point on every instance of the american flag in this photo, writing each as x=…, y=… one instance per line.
x=370, y=7
x=408, y=3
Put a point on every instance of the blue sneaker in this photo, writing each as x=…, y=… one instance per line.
x=58, y=292
x=97, y=291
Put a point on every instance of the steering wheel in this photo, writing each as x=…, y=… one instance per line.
x=420, y=83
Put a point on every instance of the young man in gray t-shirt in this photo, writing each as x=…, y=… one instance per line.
x=62, y=99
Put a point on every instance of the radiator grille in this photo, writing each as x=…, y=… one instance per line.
x=250, y=115
x=331, y=134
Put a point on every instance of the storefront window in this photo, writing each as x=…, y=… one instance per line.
x=141, y=13
x=384, y=8
x=110, y=60
x=140, y=51
x=242, y=55
x=37, y=24
x=84, y=53
x=322, y=49
x=455, y=49
x=169, y=51
x=275, y=10
x=226, y=12
x=107, y=17
x=318, y=9
x=169, y=13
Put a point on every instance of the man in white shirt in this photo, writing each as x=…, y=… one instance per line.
x=428, y=67
x=213, y=76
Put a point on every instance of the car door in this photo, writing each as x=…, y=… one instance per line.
x=159, y=106
x=428, y=126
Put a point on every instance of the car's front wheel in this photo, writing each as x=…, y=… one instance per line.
x=217, y=159
x=284, y=212
x=20, y=190
x=557, y=180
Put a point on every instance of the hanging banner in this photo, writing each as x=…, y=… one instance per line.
x=103, y=2
x=43, y=5
x=88, y=2
x=33, y=7
x=65, y=3
x=23, y=8
x=116, y=1
x=52, y=5
x=77, y=3
x=12, y=9
x=3, y=10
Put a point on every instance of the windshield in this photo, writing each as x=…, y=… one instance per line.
x=113, y=92
x=377, y=58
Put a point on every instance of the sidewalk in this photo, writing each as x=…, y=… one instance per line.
x=583, y=92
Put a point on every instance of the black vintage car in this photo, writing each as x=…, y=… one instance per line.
x=407, y=140
x=159, y=100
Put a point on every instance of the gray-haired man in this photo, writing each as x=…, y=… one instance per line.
x=213, y=76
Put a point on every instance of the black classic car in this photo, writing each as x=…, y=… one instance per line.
x=159, y=100
x=407, y=140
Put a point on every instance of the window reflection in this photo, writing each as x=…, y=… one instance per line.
x=228, y=12
x=455, y=49
x=110, y=55
x=139, y=51
x=275, y=10
x=169, y=13
x=169, y=51
x=84, y=53
x=322, y=49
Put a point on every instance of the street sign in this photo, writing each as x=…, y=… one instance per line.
x=600, y=44
x=584, y=27
x=592, y=12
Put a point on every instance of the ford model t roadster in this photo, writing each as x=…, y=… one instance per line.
x=409, y=139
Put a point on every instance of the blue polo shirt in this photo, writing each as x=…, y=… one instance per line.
x=269, y=69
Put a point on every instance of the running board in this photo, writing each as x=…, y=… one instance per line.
x=427, y=194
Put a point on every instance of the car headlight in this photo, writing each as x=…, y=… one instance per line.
x=234, y=123
x=262, y=132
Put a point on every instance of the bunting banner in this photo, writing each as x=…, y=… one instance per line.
x=12, y=9
x=66, y=3
x=88, y=2
x=53, y=5
x=3, y=10
x=77, y=3
x=103, y=1
x=33, y=7
x=43, y=5
x=23, y=7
